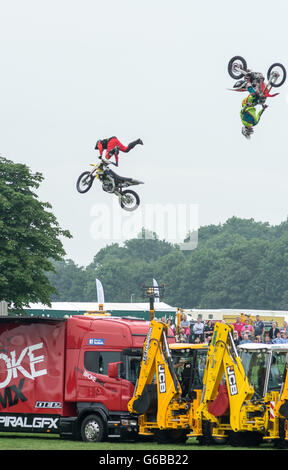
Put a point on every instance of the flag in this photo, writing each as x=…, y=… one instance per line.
x=100, y=292
x=156, y=290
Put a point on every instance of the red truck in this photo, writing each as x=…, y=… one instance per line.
x=72, y=377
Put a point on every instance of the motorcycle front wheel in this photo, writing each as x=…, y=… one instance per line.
x=84, y=182
x=279, y=68
x=233, y=64
x=129, y=200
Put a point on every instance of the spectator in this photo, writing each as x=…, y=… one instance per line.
x=207, y=339
x=245, y=339
x=259, y=328
x=186, y=324
x=208, y=330
x=182, y=338
x=197, y=340
x=285, y=328
x=236, y=338
x=238, y=325
x=278, y=339
x=285, y=337
x=267, y=339
x=247, y=328
x=171, y=325
x=257, y=339
x=273, y=331
x=184, y=321
x=198, y=329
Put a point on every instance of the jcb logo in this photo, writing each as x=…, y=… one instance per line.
x=232, y=381
x=161, y=379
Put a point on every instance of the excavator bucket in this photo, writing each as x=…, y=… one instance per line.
x=147, y=401
x=220, y=405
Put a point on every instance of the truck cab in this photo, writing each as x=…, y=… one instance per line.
x=70, y=376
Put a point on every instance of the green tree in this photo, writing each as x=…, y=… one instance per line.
x=29, y=237
x=70, y=280
x=238, y=264
x=124, y=269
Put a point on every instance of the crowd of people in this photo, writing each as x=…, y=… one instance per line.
x=255, y=332
x=245, y=331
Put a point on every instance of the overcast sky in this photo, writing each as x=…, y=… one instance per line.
x=76, y=71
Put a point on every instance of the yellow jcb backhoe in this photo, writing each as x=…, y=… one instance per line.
x=255, y=404
x=169, y=387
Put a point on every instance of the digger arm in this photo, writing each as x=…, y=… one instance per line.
x=156, y=362
x=222, y=359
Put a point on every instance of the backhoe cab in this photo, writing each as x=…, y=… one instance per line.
x=169, y=387
x=254, y=403
x=266, y=369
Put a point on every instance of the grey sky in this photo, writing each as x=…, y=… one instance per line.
x=76, y=71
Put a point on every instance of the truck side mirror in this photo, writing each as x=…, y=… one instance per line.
x=113, y=369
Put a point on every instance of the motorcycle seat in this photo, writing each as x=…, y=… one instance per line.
x=118, y=177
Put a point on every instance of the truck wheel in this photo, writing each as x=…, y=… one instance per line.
x=92, y=429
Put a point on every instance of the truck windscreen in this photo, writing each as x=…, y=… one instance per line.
x=132, y=364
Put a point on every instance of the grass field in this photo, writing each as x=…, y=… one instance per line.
x=9, y=441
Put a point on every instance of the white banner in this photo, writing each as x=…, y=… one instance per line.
x=100, y=292
x=155, y=284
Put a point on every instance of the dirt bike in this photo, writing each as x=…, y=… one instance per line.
x=237, y=69
x=111, y=183
x=276, y=76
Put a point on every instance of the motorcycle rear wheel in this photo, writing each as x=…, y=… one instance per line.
x=283, y=70
x=84, y=182
x=129, y=200
x=237, y=59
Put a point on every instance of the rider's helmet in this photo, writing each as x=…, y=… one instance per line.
x=247, y=131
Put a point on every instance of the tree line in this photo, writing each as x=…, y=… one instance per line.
x=238, y=264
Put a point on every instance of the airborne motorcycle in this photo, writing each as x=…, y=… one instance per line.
x=276, y=76
x=237, y=69
x=111, y=183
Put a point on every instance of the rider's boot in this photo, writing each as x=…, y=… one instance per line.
x=133, y=144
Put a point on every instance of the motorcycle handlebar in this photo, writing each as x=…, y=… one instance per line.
x=106, y=162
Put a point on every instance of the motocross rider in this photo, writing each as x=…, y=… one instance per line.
x=112, y=147
x=248, y=114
